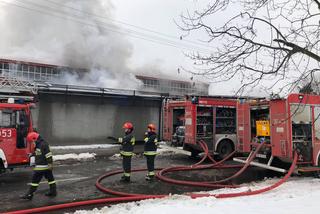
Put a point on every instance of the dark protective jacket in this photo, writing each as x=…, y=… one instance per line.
x=127, y=142
x=43, y=155
x=150, y=143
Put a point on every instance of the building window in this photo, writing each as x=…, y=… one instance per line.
x=6, y=66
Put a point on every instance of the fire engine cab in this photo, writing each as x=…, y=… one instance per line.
x=285, y=125
x=15, y=124
x=210, y=119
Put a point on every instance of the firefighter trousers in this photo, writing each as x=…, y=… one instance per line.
x=126, y=164
x=37, y=176
x=150, y=164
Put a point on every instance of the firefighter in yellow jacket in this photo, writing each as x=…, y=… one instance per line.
x=126, y=150
x=43, y=166
x=150, y=150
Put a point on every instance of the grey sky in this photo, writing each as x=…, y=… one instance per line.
x=37, y=31
x=159, y=15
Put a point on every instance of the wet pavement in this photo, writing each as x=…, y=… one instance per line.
x=76, y=180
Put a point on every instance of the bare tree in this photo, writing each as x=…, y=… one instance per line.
x=273, y=40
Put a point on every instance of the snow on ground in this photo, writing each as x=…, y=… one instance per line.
x=298, y=195
x=75, y=151
x=81, y=156
x=76, y=147
x=163, y=150
x=116, y=156
x=168, y=150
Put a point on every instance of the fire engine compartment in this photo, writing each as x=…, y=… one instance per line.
x=214, y=123
x=260, y=123
x=204, y=123
x=299, y=120
x=177, y=118
x=301, y=125
x=178, y=126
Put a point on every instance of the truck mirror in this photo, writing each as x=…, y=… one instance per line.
x=18, y=117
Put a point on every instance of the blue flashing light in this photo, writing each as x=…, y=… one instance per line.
x=20, y=101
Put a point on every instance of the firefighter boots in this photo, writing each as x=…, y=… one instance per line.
x=53, y=191
x=125, y=179
x=27, y=196
x=149, y=177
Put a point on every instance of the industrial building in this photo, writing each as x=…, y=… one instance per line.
x=75, y=114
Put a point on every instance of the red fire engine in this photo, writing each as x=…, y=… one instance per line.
x=203, y=118
x=285, y=125
x=15, y=124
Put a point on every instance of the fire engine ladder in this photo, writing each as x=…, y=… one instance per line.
x=10, y=83
x=262, y=165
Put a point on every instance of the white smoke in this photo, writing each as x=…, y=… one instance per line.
x=103, y=78
x=51, y=32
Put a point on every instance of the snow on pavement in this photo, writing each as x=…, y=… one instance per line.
x=169, y=150
x=74, y=156
x=163, y=150
x=298, y=195
x=76, y=147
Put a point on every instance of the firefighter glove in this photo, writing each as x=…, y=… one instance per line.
x=50, y=166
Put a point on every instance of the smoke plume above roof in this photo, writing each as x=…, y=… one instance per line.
x=64, y=32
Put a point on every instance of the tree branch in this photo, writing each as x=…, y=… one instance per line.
x=298, y=49
x=318, y=3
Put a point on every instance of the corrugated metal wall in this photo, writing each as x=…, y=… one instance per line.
x=73, y=119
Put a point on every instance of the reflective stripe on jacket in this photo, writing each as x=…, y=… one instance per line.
x=150, y=153
x=126, y=153
x=41, y=167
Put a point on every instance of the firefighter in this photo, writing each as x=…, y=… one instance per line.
x=150, y=150
x=43, y=166
x=126, y=150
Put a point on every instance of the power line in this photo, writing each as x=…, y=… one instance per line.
x=124, y=23
x=133, y=31
x=128, y=32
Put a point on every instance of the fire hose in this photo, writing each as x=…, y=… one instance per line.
x=215, y=165
x=127, y=197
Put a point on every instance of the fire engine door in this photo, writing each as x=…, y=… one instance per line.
x=279, y=131
x=190, y=136
x=167, y=124
x=243, y=126
x=11, y=142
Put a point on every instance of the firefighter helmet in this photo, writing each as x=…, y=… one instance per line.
x=127, y=125
x=32, y=136
x=152, y=127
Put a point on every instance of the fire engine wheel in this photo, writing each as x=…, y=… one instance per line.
x=225, y=148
